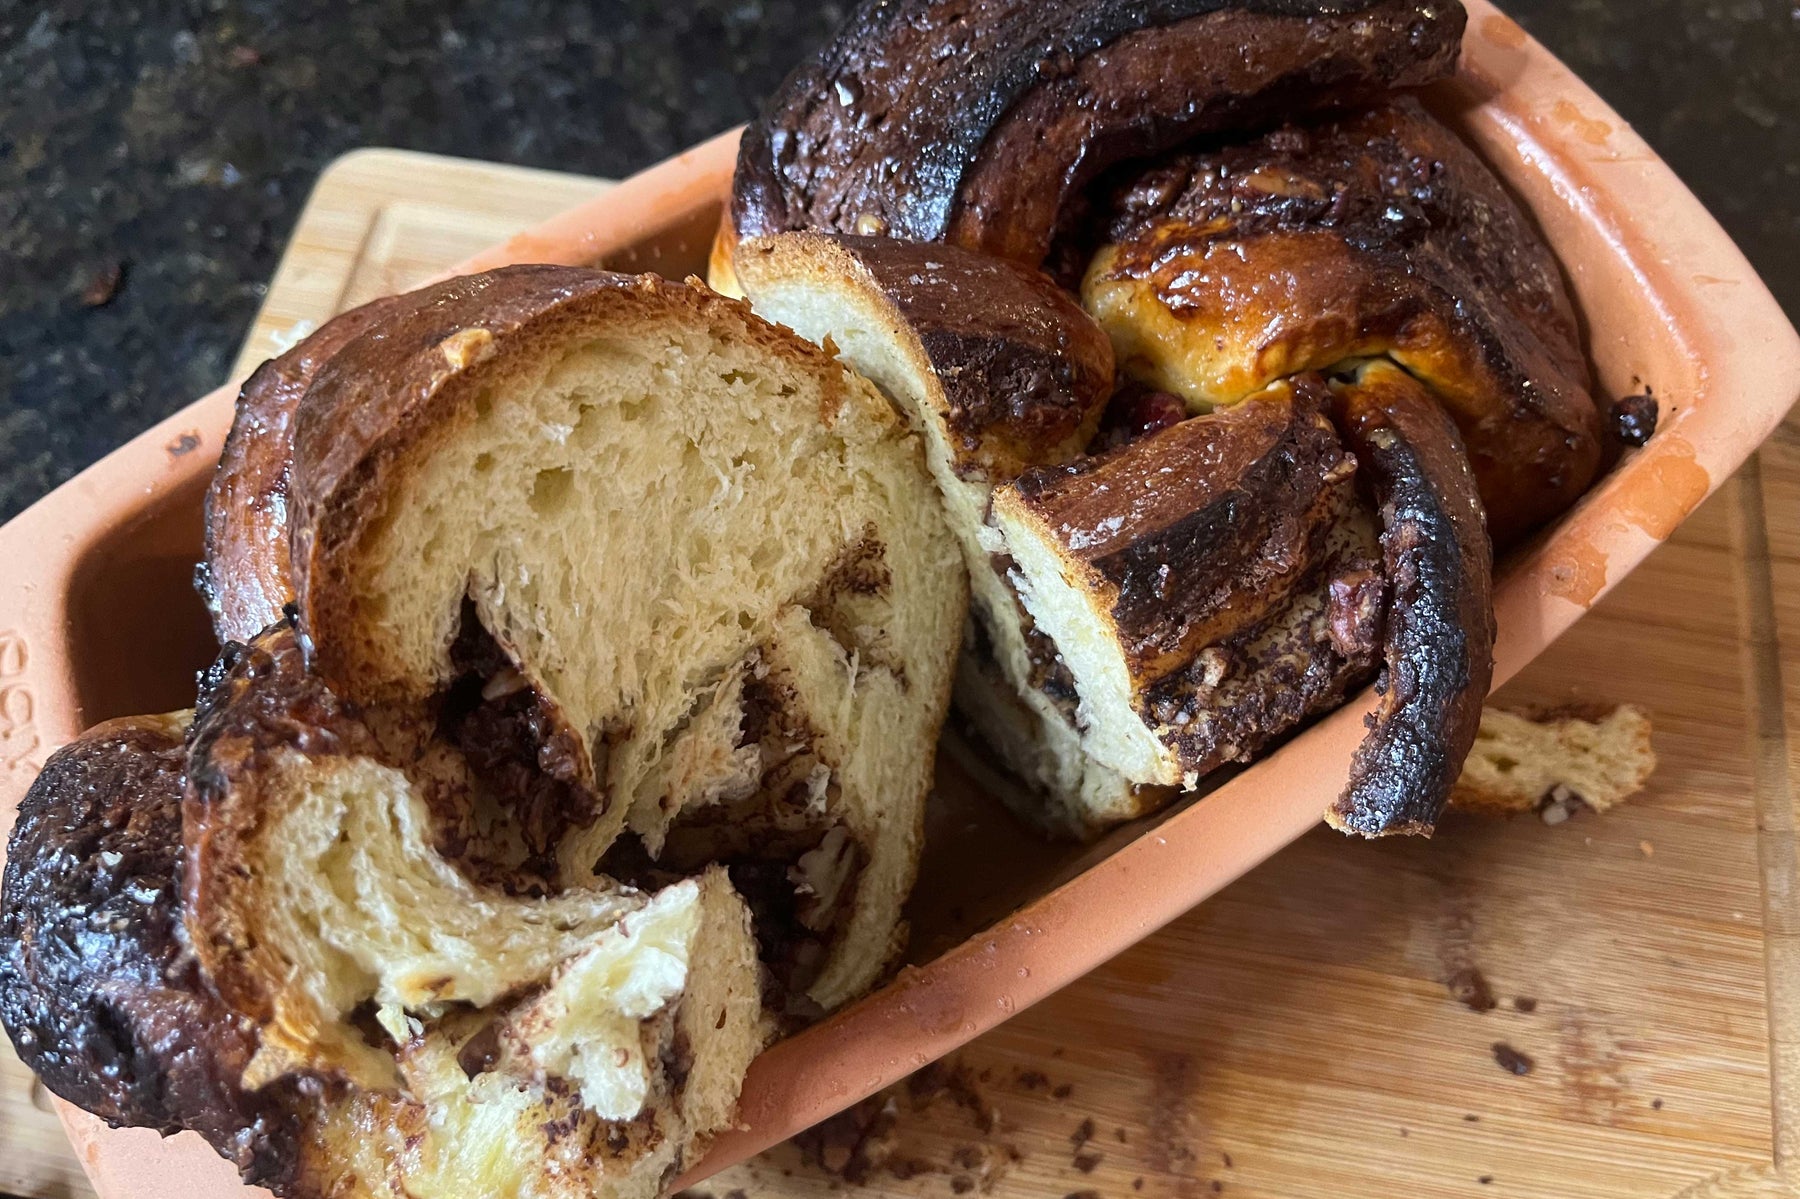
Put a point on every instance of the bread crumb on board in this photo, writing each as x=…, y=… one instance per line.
x=939, y=1125
x=1512, y=1060
x=1556, y=762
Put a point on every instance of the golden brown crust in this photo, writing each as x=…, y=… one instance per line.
x=97, y=988
x=976, y=121
x=1380, y=233
x=1024, y=371
x=1438, y=644
x=721, y=274
x=1198, y=532
x=246, y=578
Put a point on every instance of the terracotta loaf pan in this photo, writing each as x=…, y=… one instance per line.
x=97, y=618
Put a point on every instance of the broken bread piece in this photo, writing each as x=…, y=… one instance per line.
x=572, y=569
x=312, y=887
x=637, y=1041
x=1522, y=761
x=560, y=519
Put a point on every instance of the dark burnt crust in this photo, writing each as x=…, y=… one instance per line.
x=1438, y=645
x=974, y=121
x=1399, y=234
x=97, y=988
x=1197, y=531
x=246, y=577
x=258, y=699
x=1236, y=698
x=1235, y=68
x=1025, y=371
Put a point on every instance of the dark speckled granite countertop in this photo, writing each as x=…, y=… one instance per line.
x=153, y=156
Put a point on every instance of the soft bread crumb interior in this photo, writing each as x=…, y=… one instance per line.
x=626, y=538
x=587, y=1024
x=351, y=894
x=1518, y=762
x=1112, y=728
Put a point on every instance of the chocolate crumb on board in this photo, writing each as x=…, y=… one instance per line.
x=867, y=1139
x=927, y=1084
x=1137, y=1184
x=956, y=1081
x=1087, y=1163
x=1063, y=1091
x=905, y=1168
x=1634, y=418
x=1119, y=1135
x=1226, y=1158
x=1033, y=1080
x=1083, y=1134
x=1656, y=1105
x=1469, y=987
x=1082, y=1195
x=1511, y=1060
x=1217, y=1186
x=1471, y=1118
x=1524, y=1003
x=1485, y=1179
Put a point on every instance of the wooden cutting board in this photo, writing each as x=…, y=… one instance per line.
x=1295, y=1037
